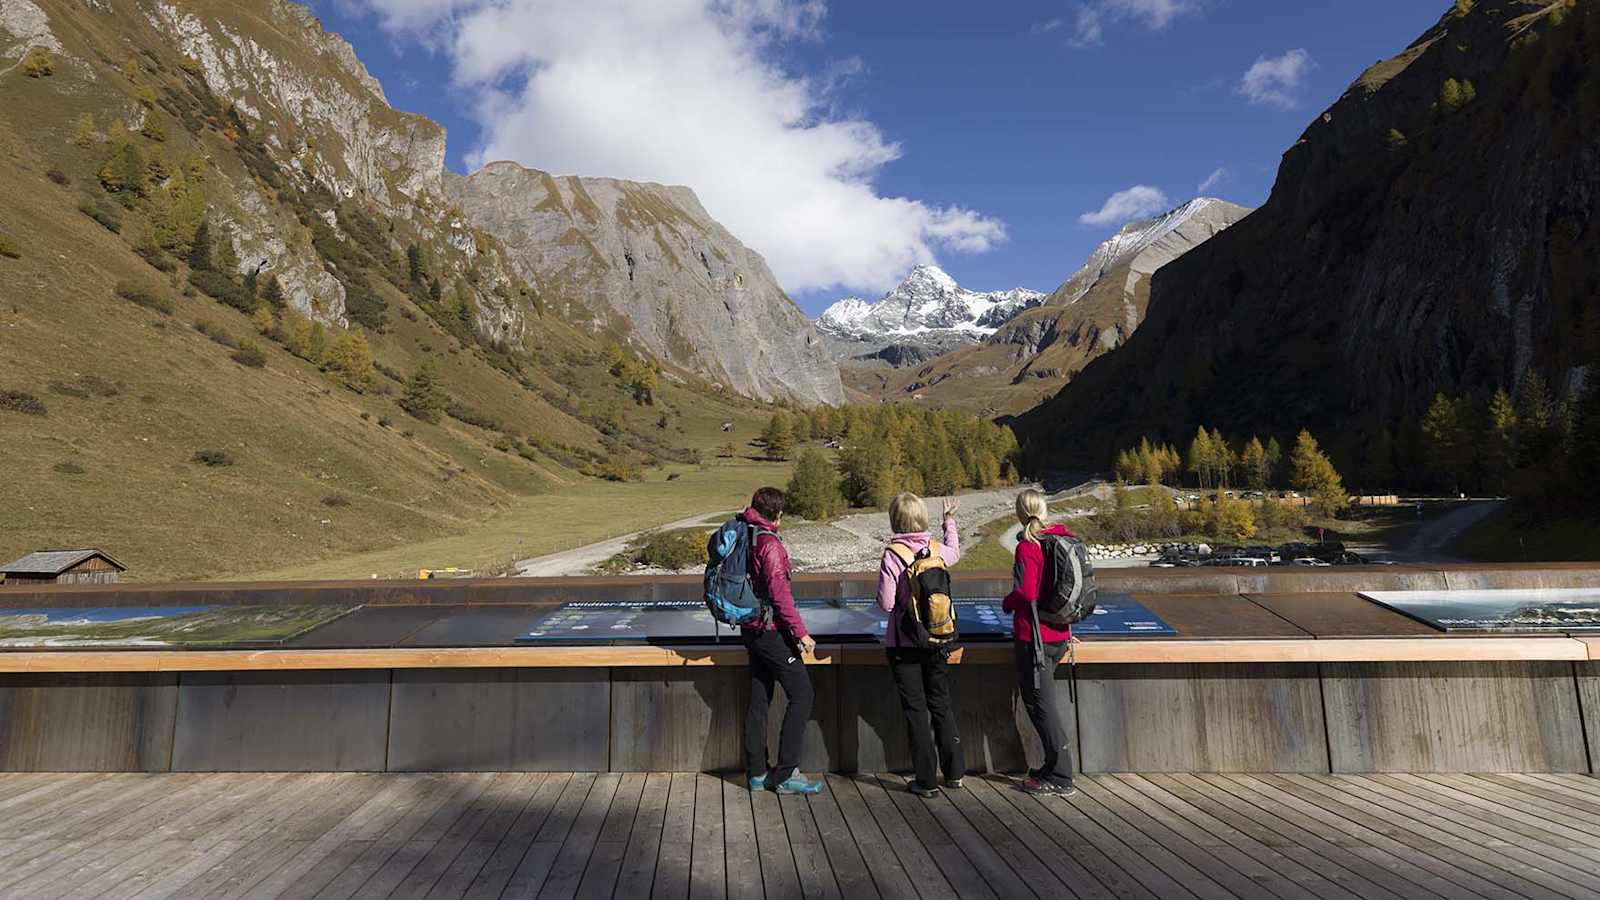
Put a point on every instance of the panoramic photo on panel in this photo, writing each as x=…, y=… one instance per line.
x=799, y=448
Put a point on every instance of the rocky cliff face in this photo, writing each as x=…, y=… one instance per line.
x=1093, y=311
x=651, y=253
x=1099, y=306
x=1433, y=230
x=318, y=109
x=688, y=291
x=927, y=313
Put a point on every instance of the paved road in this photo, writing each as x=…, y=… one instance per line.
x=580, y=560
x=1430, y=541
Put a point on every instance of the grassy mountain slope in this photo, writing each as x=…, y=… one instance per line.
x=319, y=470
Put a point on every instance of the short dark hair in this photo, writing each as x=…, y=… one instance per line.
x=769, y=502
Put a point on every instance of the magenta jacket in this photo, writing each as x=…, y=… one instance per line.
x=769, y=572
x=894, y=587
x=1028, y=575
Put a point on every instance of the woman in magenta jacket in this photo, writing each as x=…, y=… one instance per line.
x=1036, y=656
x=921, y=676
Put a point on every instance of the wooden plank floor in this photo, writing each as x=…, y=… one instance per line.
x=659, y=835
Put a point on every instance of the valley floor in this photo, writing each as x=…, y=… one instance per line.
x=587, y=515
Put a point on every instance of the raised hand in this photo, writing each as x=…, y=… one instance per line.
x=951, y=504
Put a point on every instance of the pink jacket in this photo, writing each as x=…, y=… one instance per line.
x=770, y=572
x=894, y=588
x=1027, y=574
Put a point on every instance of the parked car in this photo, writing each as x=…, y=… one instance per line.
x=1310, y=561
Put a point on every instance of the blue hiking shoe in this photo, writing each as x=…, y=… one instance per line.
x=799, y=784
x=758, y=782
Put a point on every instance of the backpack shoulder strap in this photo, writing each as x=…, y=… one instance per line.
x=906, y=554
x=935, y=549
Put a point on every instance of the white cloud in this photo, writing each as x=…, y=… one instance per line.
x=1094, y=15
x=1277, y=80
x=1213, y=181
x=688, y=92
x=1048, y=25
x=1136, y=202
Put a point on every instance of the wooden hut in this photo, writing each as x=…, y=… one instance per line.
x=62, y=567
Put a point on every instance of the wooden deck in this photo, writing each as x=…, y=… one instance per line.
x=636, y=835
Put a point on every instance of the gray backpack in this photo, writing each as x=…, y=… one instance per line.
x=1069, y=593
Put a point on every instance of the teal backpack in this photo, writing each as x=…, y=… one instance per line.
x=729, y=593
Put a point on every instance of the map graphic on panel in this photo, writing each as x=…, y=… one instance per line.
x=160, y=626
x=1549, y=609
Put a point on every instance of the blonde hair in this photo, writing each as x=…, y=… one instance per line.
x=908, y=514
x=1031, y=511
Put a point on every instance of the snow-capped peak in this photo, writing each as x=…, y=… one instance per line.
x=927, y=301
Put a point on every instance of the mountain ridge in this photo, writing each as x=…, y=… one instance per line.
x=692, y=293
x=1091, y=312
x=1442, y=210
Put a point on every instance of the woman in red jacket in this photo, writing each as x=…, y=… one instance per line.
x=1037, y=656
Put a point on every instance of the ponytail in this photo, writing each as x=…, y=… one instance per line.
x=1031, y=511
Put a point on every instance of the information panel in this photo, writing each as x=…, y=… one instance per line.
x=1552, y=609
x=1120, y=615
x=830, y=621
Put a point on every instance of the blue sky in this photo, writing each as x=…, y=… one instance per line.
x=850, y=141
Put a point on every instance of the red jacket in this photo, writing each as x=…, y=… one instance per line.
x=769, y=572
x=1028, y=577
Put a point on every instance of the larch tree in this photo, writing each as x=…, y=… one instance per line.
x=1202, y=457
x=777, y=437
x=425, y=397
x=1313, y=474
x=813, y=490
x=1499, y=441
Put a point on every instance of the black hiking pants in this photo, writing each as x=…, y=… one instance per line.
x=922, y=678
x=774, y=661
x=1041, y=703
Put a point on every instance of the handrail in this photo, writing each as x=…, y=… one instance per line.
x=1293, y=650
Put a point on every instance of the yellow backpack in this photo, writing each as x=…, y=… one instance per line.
x=929, y=621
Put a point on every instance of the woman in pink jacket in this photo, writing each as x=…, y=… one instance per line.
x=1036, y=656
x=921, y=676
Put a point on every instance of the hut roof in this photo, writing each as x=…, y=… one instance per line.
x=54, y=562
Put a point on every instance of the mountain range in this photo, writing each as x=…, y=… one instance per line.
x=926, y=314
x=1039, y=345
x=1431, y=231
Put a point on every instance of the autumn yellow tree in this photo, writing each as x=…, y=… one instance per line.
x=37, y=63
x=350, y=359
x=1314, y=475
x=86, y=135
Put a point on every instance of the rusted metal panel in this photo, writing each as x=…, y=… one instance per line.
x=100, y=722
x=1588, y=674
x=500, y=720
x=1264, y=717
x=1454, y=717
x=300, y=721
x=678, y=720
